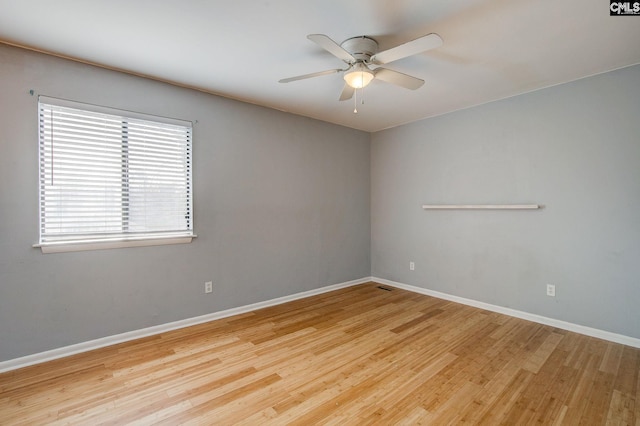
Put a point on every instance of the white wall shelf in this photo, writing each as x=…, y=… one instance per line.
x=481, y=206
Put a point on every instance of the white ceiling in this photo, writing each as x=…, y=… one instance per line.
x=240, y=49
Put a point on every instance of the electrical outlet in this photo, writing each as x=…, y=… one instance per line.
x=551, y=290
x=208, y=287
x=412, y=266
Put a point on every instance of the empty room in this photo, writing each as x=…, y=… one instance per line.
x=320, y=212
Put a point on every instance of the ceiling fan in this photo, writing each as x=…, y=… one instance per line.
x=360, y=53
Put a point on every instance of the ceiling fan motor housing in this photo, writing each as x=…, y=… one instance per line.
x=362, y=48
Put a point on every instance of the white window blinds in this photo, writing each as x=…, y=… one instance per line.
x=112, y=176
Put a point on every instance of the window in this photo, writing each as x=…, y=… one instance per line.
x=112, y=178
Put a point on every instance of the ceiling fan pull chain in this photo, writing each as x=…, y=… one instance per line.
x=355, y=98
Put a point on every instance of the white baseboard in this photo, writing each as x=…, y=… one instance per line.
x=25, y=361
x=14, y=364
x=581, y=329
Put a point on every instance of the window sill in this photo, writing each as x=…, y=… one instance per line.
x=71, y=246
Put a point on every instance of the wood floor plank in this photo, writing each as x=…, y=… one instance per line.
x=356, y=356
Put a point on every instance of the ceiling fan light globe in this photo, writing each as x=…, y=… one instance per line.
x=358, y=77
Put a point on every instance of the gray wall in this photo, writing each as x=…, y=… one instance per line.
x=574, y=148
x=281, y=206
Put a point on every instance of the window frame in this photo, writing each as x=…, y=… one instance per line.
x=122, y=239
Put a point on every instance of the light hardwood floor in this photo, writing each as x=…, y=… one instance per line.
x=360, y=355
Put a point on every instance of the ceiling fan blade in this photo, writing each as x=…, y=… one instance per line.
x=398, y=78
x=413, y=47
x=332, y=47
x=313, y=74
x=347, y=93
